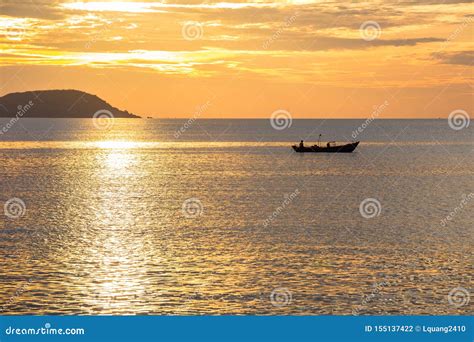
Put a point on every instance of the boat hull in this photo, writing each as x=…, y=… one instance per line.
x=348, y=148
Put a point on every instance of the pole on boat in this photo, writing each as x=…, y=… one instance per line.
x=319, y=141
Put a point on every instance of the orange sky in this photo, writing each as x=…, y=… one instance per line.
x=214, y=58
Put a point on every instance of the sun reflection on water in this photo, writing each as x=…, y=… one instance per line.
x=117, y=246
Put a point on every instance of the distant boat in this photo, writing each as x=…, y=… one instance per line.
x=347, y=148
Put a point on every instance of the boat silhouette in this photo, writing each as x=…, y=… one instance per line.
x=347, y=148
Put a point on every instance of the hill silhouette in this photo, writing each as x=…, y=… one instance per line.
x=56, y=104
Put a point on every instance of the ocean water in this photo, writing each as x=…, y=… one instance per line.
x=222, y=217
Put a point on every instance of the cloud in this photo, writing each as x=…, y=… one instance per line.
x=101, y=33
x=432, y=2
x=41, y=9
x=458, y=58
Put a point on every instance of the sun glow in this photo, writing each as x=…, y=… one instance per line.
x=147, y=7
x=253, y=55
x=112, y=144
x=114, y=6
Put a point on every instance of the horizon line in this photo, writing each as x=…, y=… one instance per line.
x=305, y=118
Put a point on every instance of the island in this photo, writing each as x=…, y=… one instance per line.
x=67, y=103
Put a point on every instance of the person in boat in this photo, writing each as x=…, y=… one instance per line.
x=328, y=144
x=301, y=144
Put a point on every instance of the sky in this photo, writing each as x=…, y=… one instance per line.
x=248, y=59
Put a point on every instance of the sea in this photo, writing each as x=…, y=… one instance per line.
x=222, y=217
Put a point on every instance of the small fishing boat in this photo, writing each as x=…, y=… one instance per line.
x=347, y=148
